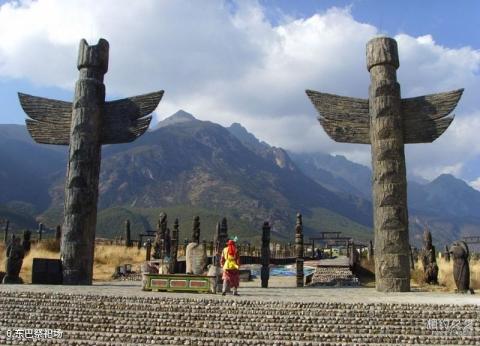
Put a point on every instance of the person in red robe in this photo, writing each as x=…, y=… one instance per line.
x=230, y=262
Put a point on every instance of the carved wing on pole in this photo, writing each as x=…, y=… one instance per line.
x=345, y=119
x=126, y=119
x=50, y=119
x=426, y=117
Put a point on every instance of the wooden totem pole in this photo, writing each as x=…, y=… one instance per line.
x=174, y=246
x=85, y=125
x=299, y=250
x=5, y=230
x=387, y=122
x=128, y=233
x=265, y=260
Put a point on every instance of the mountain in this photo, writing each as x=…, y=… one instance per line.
x=201, y=164
x=189, y=166
x=26, y=168
x=336, y=173
x=179, y=117
x=447, y=205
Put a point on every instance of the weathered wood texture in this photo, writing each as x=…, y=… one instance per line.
x=85, y=125
x=81, y=186
x=51, y=119
x=425, y=118
x=127, y=119
x=387, y=123
x=123, y=120
x=345, y=119
x=392, y=261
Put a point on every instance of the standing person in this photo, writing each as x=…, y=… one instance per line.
x=230, y=263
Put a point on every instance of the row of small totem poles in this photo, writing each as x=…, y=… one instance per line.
x=27, y=234
x=166, y=244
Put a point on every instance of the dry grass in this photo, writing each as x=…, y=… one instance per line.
x=42, y=250
x=445, y=276
x=107, y=257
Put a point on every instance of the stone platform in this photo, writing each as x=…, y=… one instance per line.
x=121, y=313
x=333, y=272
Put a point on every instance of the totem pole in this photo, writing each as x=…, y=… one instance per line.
x=196, y=230
x=5, y=234
x=26, y=244
x=265, y=272
x=223, y=235
x=446, y=254
x=174, y=246
x=387, y=122
x=128, y=239
x=299, y=249
x=40, y=231
x=159, y=246
x=429, y=260
x=85, y=125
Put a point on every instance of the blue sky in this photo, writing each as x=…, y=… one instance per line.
x=451, y=23
x=250, y=62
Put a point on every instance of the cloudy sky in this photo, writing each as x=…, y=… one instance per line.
x=250, y=62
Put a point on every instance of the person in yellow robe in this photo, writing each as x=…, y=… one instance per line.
x=230, y=262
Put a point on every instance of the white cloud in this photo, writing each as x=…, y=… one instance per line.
x=475, y=184
x=226, y=63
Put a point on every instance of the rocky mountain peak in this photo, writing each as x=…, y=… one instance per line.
x=178, y=117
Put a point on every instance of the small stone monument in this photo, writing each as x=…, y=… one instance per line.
x=299, y=250
x=15, y=254
x=461, y=270
x=265, y=271
x=429, y=261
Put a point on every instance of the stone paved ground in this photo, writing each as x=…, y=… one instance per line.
x=120, y=313
x=280, y=288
